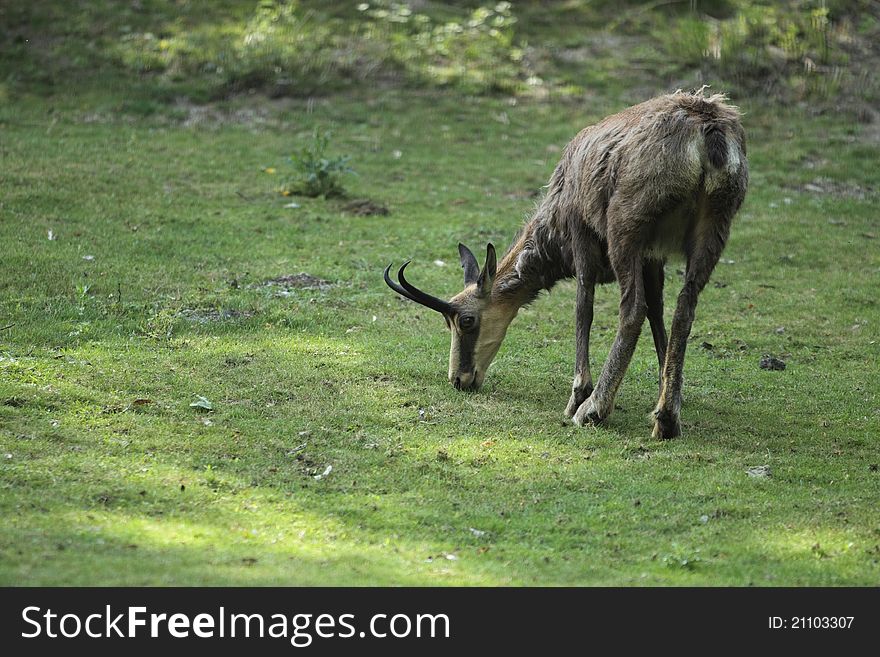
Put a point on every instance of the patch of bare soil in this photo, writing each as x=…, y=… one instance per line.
x=523, y=194
x=600, y=44
x=836, y=188
x=213, y=116
x=771, y=363
x=364, y=207
x=301, y=281
x=206, y=315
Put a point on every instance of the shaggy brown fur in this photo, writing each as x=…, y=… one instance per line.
x=650, y=161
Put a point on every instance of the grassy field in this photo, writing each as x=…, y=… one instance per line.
x=136, y=246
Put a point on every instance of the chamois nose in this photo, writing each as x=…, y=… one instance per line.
x=462, y=380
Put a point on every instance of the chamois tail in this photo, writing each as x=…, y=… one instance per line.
x=716, y=144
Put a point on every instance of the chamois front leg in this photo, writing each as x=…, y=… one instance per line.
x=582, y=386
x=600, y=403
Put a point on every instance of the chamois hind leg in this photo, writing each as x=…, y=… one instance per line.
x=706, y=244
x=599, y=405
x=652, y=272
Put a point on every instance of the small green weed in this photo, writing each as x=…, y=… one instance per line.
x=315, y=173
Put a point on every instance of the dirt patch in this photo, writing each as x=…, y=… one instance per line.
x=206, y=315
x=600, y=44
x=192, y=115
x=523, y=194
x=771, y=363
x=759, y=471
x=364, y=207
x=301, y=281
x=836, y=188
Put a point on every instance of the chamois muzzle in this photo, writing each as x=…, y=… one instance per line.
x=464, y=380
x=410, y=291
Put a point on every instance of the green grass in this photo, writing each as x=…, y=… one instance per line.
x=109, y=476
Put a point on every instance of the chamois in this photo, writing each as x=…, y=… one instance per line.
x=661, y=178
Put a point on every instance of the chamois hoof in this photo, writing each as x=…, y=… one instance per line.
x=588, y=414
x=666, y=425
x=577, y=398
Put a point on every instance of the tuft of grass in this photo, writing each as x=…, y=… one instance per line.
x=315, y=172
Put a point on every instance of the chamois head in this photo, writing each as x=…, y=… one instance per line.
x=476, y=321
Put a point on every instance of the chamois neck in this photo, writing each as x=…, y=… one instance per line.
x=539, y=257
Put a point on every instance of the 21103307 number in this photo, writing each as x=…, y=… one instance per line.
x=810, y=622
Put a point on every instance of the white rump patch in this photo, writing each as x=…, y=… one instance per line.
x=694, y=156
x=733, y=159
x=717, y=177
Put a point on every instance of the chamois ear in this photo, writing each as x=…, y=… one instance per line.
x=487, y=276
x=469, y=264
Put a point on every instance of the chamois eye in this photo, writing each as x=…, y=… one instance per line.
x=466, y=322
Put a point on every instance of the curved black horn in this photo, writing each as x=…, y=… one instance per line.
x=394, y=286
x=421, y=297
x=410, y=291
